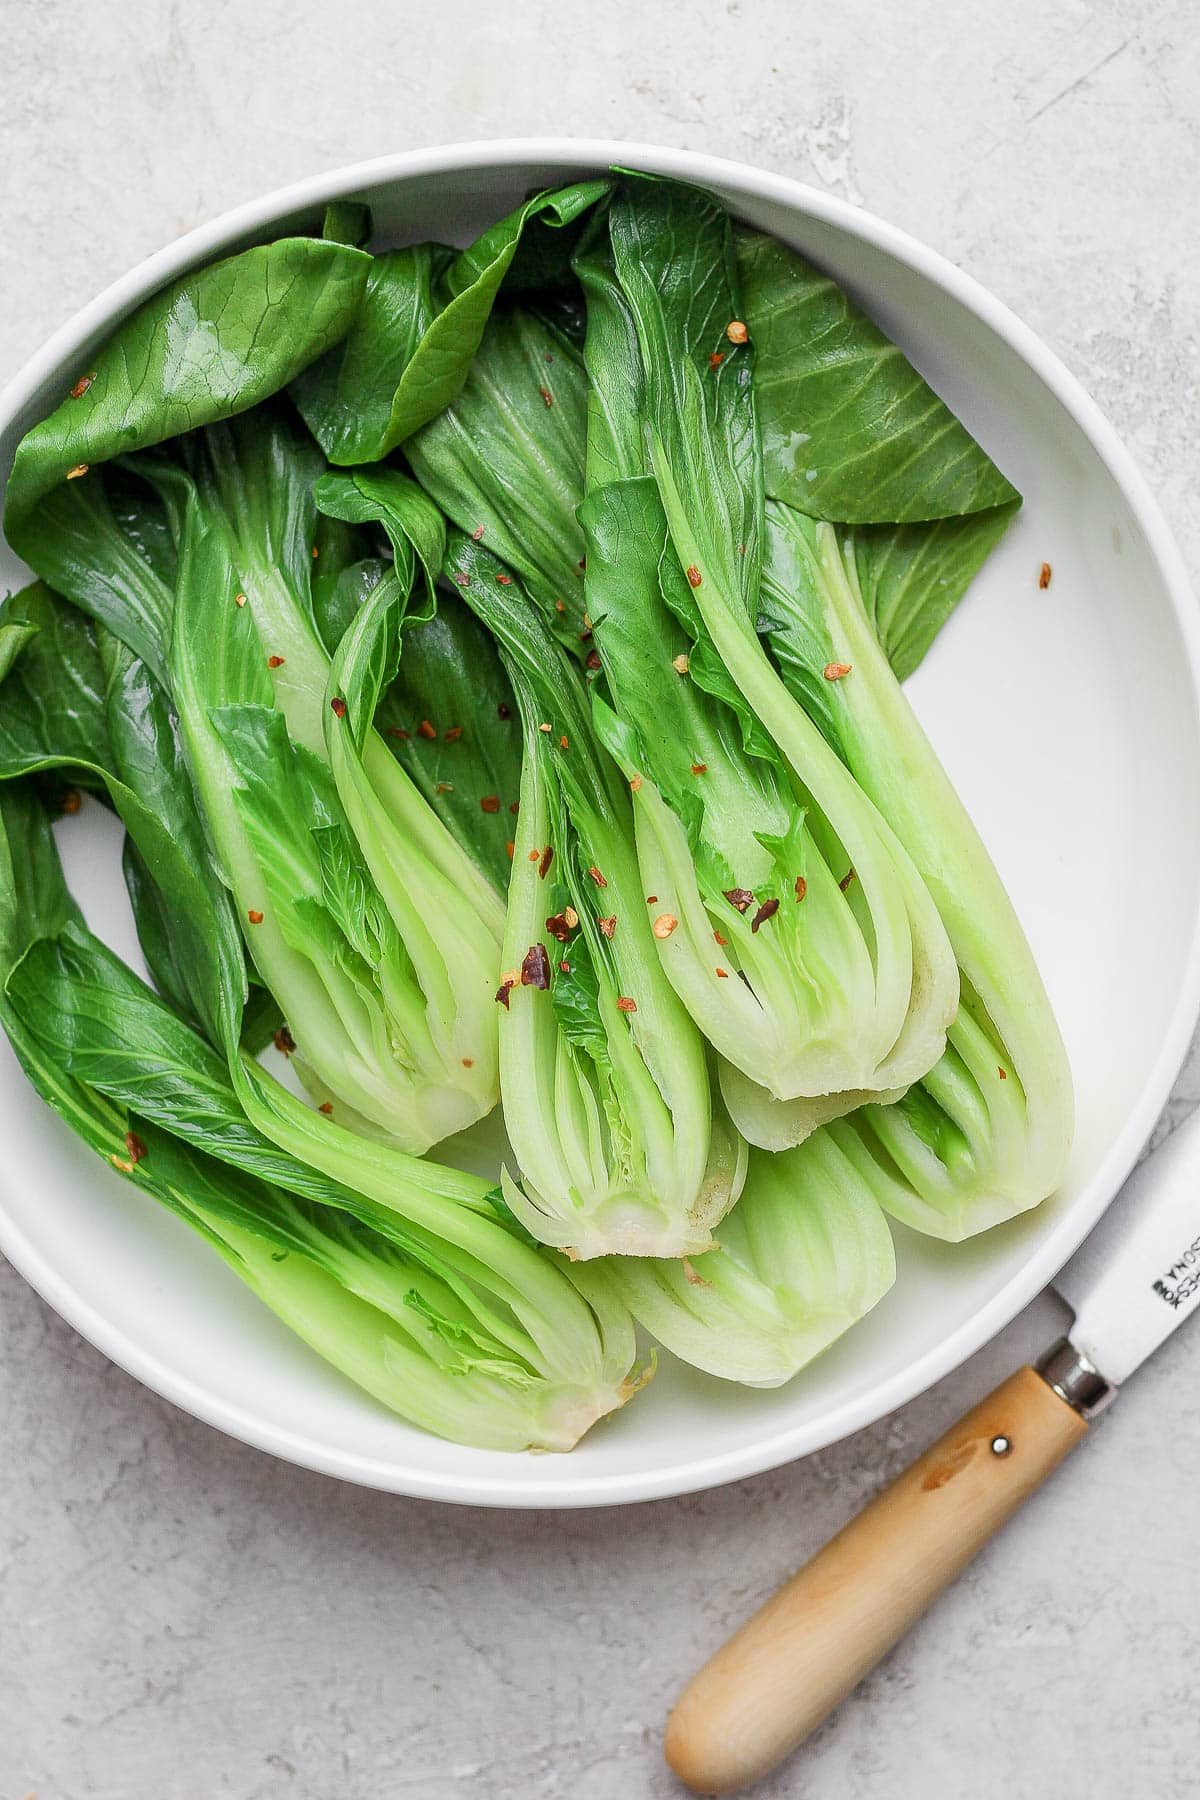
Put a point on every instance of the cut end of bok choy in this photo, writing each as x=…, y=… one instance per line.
x=804, y=1255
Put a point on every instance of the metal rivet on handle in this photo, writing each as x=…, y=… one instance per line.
x=1001, y=1446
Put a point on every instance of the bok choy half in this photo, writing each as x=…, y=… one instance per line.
x=620, y=1145
x=986, y=1133
x=836, y=975
x=334, y=858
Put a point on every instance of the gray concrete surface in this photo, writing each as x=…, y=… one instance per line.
x=181, y=1618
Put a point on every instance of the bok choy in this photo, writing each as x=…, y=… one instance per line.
x=493, y=657
x=427, y=1296
x=604, y=1079
x=805, y=1254
x=986, y=1133
x=837, y=974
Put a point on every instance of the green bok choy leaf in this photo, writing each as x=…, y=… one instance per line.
x=410, y=348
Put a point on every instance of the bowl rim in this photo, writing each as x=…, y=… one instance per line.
x=1046, y=1259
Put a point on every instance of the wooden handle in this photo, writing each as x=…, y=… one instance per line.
x=787, y=1668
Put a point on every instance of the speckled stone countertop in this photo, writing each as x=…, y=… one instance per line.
x=182, y=1618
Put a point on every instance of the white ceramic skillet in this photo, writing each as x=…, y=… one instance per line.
x=1068, y=718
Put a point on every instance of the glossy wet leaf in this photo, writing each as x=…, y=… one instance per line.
x=422, y=322
x=850, y=430
x=213, y=343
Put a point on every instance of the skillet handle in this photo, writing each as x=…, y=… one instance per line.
x=789, y=1666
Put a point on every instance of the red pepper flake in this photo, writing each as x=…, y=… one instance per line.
x=558, y=928
x=71, y=801
x=723, y=941
x=477, y=534
x=535, y=970
x=254, y=916
x=326, y=1107
x=504, y=580
x=608, y=926
x=699, y=768
x=285, y=1043
x=547, y=396
x=510, y=847
x=847, y=878
x=562, y=742
x=82, y=385
x=766, y=911
x=239, y=599
x=452, y=736
x=564, y=968
x=77, y=471
x=514, y=807
x=533, y=856
x=585, y=634
x=716, y=358
x=338, y=706
x=581, y=565
x=635, y=783
x=1045, y=575
x=801, y=887
x=736, y=331
x=625, y=1004
x=593, y=660
x=397, y=732
x=316, y=552
x=490, y=803
x=504, y=710
x=835, y=671
x=724, y=974
x=426, y=730
x=597, y=877
x=276, y=662
x=560, y=606
x=1003, y=1073
x=547, y=859
x=741, y=898
x=134, y=1147
x=444, y=787
x=651, y=899
x=693, y=574
x=462, y=580
x=468, y=1062
x=664, y=925
x=502, y=994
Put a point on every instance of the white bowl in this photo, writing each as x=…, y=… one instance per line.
x=1068, y=717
